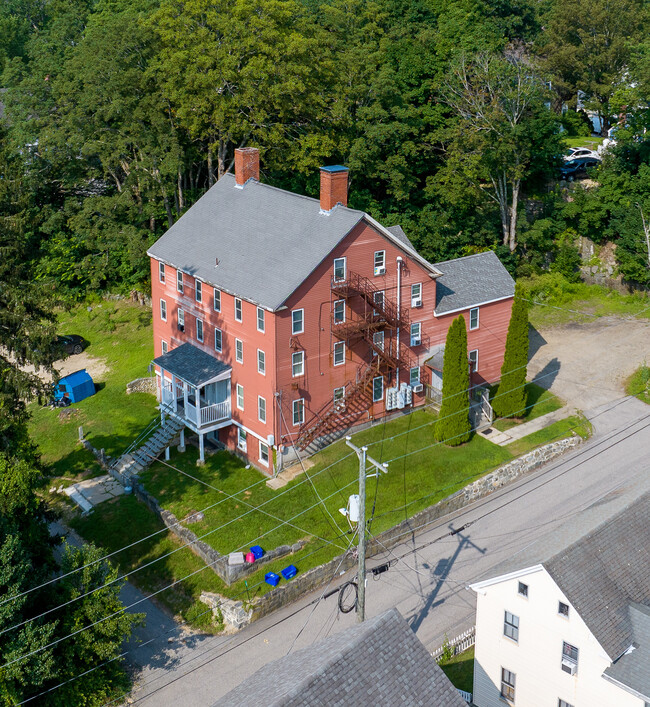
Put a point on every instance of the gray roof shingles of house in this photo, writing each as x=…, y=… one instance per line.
x=193, y=365
x=600, y=560
x=267, y=241
x=470, y=281
x=380, y=662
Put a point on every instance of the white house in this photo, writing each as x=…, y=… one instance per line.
x=566, y=623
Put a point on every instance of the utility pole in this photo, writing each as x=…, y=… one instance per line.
x=646, y=230
x=362, y=454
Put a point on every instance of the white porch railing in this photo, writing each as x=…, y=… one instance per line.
x=467, y=696
x=209, y=414
x=216, y=412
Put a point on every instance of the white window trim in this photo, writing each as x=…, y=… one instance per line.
x=418, y=341
x=241, y=310
x=181, y=318
x=340, y=345
x=263, y=329
x=216, y=295
x=474, y=366
x=161, y=271
x=411, y=375
x=379, y=269
x=163, y=305
x=293, y=412
x=202, y=327
x=302, y=322
x=302, y=363
x=263, y=372
x=242, y=436
x=164, y=347
x=345, y=270
x=180, y=285
x=342, y=398
x=239, y=344
x=416, y=301
x=377, y=400
x=268, y=453
x=240, y=388
x=478, y=322
x=259, y=398
x=220, y=349
x=198, y=290
x=340, y=321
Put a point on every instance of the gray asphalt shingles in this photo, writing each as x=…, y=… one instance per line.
x=191, y=364
x=379, y=662
x=633, y=669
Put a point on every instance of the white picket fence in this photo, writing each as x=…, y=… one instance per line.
x=467, y=696
x=458, y=645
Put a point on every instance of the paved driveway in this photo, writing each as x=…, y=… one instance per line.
x=586, y=364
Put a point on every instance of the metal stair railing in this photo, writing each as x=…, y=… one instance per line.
x=356, y=284
x=148, y=431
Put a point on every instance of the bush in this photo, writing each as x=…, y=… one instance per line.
x=576, y=123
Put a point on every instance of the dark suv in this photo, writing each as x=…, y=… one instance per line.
x=70, y=343
x=574, y=168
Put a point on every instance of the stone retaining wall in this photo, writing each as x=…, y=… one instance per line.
x=319, y=576
x=142, y=385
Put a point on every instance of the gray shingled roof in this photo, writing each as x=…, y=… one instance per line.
x=398, y=232
x=380, y=662
x=633, y=669
x=472, y=280
x=193, y=365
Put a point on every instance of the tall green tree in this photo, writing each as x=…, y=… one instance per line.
x=510, y=398
x=453, y=426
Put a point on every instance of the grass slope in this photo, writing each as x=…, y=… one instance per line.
x=460, y=670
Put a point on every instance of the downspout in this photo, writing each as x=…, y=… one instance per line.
x=399, y=307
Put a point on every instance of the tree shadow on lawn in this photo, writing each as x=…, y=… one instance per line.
x=546, y=377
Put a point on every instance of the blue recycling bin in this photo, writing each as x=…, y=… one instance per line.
x=289, y=572
x=257, y=551
x=272, y=578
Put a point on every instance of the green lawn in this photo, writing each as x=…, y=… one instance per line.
x=120, y=335
x=538, y=402
x=583, y=141
x=638, y=384
x=460, y=670
x=558, y=430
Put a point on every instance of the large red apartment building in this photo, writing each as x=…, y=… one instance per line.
x=281, y=320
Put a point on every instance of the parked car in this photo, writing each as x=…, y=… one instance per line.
x=71, y=343
x=574, y=153
x=574, y=168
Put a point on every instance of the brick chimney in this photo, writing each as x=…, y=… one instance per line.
x=247, y=165
x=333, y=187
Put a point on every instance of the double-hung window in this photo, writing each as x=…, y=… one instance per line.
x=163, y=310
x=217, y=300
x=261, y=362
x=261, y=408
x=298, y=411
x=339, y=311
x=377, y=389
x=339, y=395
x=218, y=340
x=161, y=271
x=473, y=318
x=339, y=353
x=416, y=295
x=414, y=377
x=260, y=319
x=380, y=262
x=339, y=269
x=179, y=281
x=198, y=290
x=163, y=347
x=297, y=364
x=378, y=341
x=473, y=360
x=264, y=453
x=416, y=334
x=378, y=299
x=181, y=320
x=569, y=658
x=241, y=439
x=511, y=626
x=238, y=310
x=240, y=396
x=239, y=351
x=297, y=321
x=199, y=330
x=507, y=685
x=563, y=609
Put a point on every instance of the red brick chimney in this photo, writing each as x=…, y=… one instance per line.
x=247, y=165
x=333, y=187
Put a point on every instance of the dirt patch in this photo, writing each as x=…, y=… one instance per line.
x=97, y=367
x=586, y=364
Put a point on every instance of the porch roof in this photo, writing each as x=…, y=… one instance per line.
x=192, y=365
x=435, y=357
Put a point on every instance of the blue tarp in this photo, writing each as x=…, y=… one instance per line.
x=76, y=386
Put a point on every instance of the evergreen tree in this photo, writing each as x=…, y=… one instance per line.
x=510, y=399
x=453, y=426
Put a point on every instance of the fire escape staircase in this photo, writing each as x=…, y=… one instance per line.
x=379, y=315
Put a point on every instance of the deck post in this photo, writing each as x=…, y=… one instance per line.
x=166, y=454
x=184, y=399
x=181, y=446
x=174, y=396
x=201, y=460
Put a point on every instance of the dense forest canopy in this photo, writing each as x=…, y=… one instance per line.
x=124, y=112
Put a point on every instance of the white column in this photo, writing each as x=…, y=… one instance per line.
x=174, y=398
x=181, y=447
x=201, y=448
x=185, y=398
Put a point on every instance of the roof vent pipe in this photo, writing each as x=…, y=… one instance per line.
x=333, y=187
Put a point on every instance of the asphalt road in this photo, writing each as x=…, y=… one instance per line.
x=428, y=585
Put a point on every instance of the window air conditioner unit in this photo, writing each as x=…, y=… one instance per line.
x=380, y=271
x=569, y=667
x=416, y=303
x=418, y=388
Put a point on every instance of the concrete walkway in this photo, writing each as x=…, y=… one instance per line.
x=89, y=493
x=527, y=428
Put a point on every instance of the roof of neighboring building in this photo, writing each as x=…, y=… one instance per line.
x=398, y=232
x=436, y=357
x=470, y=281
x=600, y=560
x=193, y=365
x=632, y=670
x=267, y=240
x=380, y=662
